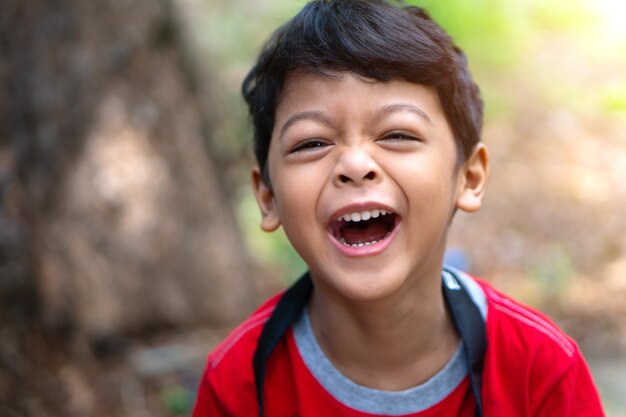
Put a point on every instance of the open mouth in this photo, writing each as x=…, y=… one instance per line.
x=363, y=228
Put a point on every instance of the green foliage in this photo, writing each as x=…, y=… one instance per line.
x=235, y=33
x=176, y=400
x=553, y=270
x=562, y=17
x=489, y=31
x=613, y=98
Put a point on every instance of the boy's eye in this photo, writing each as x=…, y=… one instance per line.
x=400, y=136
x=311, y=144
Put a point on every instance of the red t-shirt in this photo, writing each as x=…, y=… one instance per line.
x=531, y=369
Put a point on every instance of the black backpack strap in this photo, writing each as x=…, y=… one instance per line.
x=287, y=310
x=471, y=326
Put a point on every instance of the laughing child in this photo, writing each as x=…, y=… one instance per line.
x=367, y=138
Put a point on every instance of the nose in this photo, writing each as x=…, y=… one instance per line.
x=356, y=166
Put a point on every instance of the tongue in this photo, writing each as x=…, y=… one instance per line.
x=363, y=233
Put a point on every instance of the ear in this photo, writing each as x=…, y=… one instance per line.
x=472, y=179
x=265, y=199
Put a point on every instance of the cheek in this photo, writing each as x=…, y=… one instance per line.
x=296, y=199
x=431, y=192
x=297, y=187
x=422, y=174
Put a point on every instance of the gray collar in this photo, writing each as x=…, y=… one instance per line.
x=374, y=401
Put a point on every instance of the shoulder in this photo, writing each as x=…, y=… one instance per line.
x=242, y=339
x=227, y=385
x=529, y=358
x=521, y=324
x=519, y=335
x=513, y=323
x=531, y=366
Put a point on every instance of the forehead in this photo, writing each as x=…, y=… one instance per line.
x=346, y=94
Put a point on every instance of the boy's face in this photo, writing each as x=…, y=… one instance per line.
x=345, y=149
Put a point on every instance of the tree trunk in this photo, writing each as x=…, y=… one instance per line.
x=124, y=218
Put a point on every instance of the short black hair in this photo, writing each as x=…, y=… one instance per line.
x=372, y=39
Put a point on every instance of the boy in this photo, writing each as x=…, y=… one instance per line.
x=366, y=132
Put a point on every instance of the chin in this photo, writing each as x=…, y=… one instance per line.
x=362, y=286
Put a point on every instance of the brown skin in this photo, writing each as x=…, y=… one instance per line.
x=344, y=145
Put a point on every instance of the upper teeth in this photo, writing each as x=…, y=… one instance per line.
x=363, y=215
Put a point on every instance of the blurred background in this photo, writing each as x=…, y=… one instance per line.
x=129, y=239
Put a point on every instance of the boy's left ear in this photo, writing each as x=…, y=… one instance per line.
x=472, y=179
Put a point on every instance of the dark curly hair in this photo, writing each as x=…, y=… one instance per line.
x=373, y=39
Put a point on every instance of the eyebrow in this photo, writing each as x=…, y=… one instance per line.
x=307, y=115
x=401, y=107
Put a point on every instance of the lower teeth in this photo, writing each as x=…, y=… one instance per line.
x=358, y=245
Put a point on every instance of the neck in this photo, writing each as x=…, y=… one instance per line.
x=392, y=344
